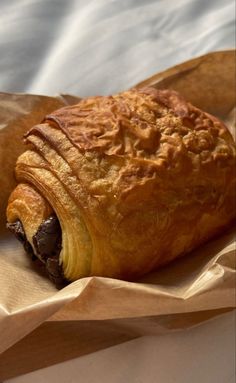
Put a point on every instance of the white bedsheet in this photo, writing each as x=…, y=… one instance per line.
x=88, y=47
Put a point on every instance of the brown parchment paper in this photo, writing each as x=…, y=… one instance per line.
x=175, y=297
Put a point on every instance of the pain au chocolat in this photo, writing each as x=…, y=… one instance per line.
x=117, y=186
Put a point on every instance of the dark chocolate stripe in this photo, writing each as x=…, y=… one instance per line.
x=47, y=242
x=17, y=229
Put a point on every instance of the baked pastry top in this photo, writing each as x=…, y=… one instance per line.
x=134, y=180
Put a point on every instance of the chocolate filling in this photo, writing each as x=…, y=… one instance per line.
x=17, y=229
x=47, y=240
x=47, y=243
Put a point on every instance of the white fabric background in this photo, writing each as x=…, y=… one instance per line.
x=88, y=47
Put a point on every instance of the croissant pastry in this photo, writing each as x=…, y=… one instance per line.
x=117, y=186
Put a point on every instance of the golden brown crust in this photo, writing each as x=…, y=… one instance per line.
x=136, y=180
x=26, y=204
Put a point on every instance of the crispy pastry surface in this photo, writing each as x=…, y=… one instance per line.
x=136, y=180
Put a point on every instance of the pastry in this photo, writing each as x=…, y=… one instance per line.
x=117, y=186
